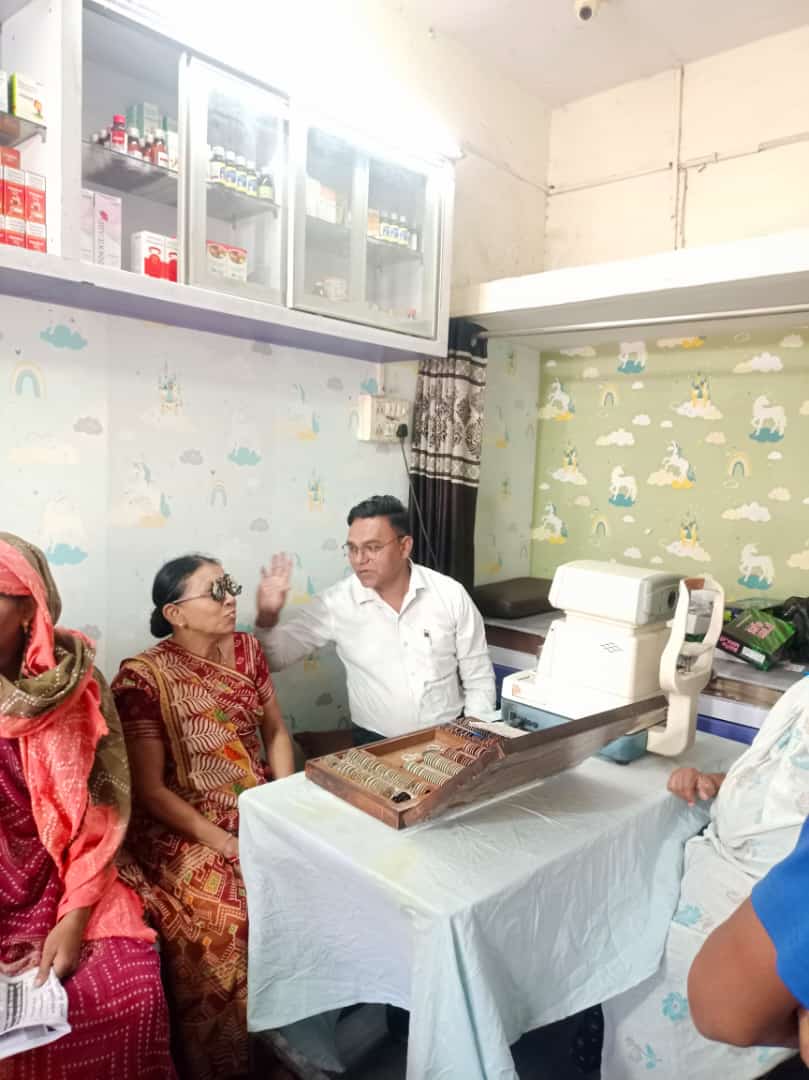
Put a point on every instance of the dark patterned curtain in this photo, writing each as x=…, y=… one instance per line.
x=445, y=471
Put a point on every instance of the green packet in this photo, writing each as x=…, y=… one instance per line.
x=756, y=636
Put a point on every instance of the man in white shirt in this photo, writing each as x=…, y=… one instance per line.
x=411, y=640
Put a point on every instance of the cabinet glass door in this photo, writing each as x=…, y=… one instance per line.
x=236, y=185
x=402, y=248
x=131, y=158
x=366, y=234
x=329, y=241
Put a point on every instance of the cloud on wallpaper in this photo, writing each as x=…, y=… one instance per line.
x=88, y=425
x=62, y=337
x=747, y=512
x=632, y=553
x=716, y=438
x=582, y=500
x=637, y=385
x=764, y=362
x=259, y=525
x=656, y=560
x=45, y=451
x=628, y=519
x=800, y=560
x=242, y=455
x=780, y=494
x=65, y=555
x=191, y=457
x=699, y=410
x=687, y=550
x=621, y=437
x=551, y=363
x=641, y=420
x=578, y=350
x=776, y=455
x=792, y=341
x=334, y=383
x=666, y=424
x=62, y=533
x=569, y=475
x=804, y=409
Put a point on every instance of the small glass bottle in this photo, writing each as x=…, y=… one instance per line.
x=241, y=174
x=230, y=170
x=104, y=138
x=216, y=165
x=118, y=134
x=133, y=147
x=404, y=232
x=266, y=187
x=414, y=239
x=148, y=148
x=160, y=154
x=384, y=225
x=252, y=180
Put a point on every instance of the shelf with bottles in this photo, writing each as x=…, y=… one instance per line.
x=383, y=252
x=229, y=205
x=128, y=174
x=236, y=189
x=15, y=130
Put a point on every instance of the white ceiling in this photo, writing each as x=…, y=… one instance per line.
x=541, y=45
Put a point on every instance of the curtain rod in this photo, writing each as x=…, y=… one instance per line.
x=656, y=320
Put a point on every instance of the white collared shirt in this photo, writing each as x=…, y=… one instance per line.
x=408, y=669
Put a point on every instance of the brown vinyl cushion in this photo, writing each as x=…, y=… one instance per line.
x=516, y=598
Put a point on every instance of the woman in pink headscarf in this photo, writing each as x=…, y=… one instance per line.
x=64, y=792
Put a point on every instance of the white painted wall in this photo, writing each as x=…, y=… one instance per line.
x=616, y=190
x=502, y=130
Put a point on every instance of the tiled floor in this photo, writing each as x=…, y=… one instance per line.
x=540, y=1055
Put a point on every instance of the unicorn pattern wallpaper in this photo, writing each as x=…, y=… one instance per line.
x=679, y=453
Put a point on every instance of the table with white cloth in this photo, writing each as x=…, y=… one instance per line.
x=485, y=923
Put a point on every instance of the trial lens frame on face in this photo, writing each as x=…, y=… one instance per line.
x=218, y=591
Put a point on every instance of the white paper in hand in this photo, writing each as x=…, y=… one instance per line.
x=30, y=1016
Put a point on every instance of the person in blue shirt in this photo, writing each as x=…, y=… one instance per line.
x=749, y=984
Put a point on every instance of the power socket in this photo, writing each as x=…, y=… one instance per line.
x=381, y=417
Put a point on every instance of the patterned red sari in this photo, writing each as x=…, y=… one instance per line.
x=207, y=716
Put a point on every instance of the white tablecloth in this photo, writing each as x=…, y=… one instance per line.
x=485, y=924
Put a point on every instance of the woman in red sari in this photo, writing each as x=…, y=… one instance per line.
x=192, y=707
x=64, y=793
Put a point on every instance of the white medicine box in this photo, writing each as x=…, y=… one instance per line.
x=380, y=416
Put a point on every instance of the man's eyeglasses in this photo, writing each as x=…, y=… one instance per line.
x=370, y=551
x=219, y=590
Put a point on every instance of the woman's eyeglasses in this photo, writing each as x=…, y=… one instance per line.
x=219, y=591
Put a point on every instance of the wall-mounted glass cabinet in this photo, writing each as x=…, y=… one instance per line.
x=366, y=232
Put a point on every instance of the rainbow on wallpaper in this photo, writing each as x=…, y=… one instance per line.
x=219, y=492
x=27, y=375
x=739, y=467
x=599, y=527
